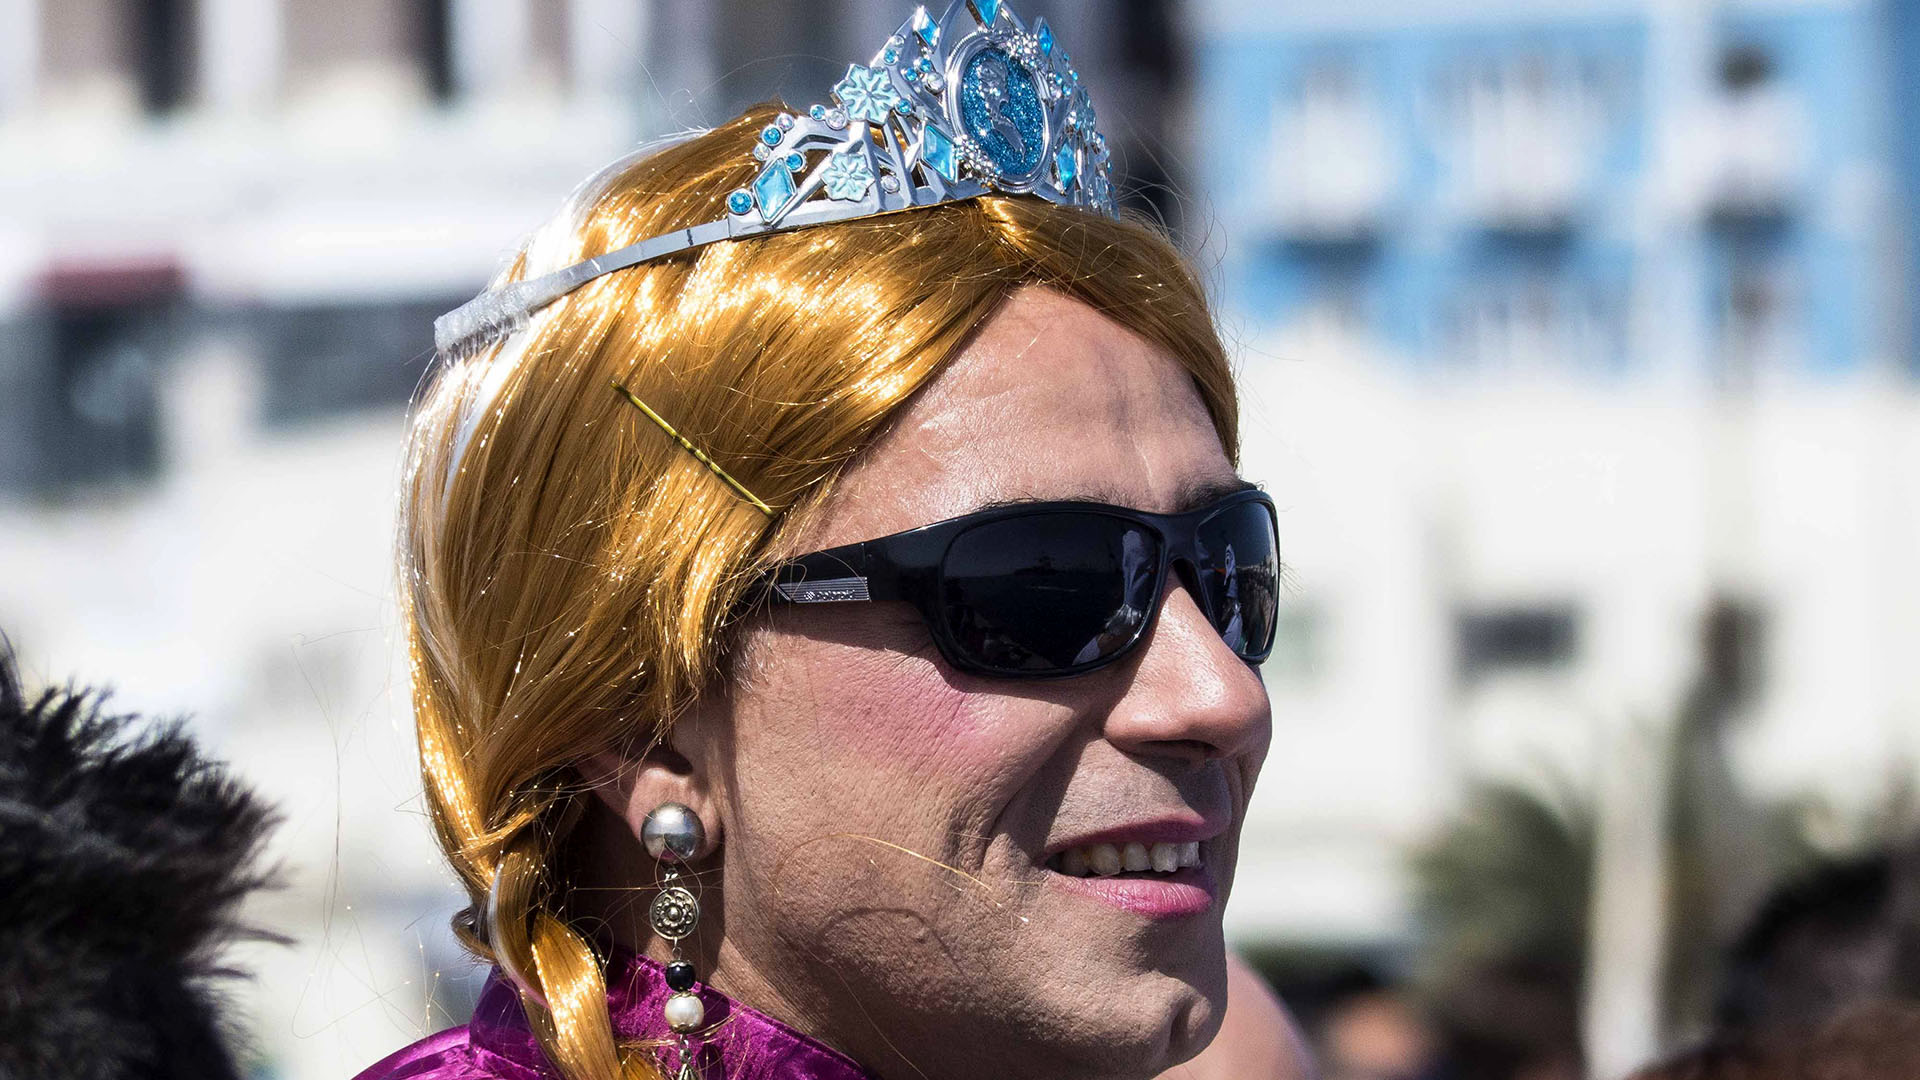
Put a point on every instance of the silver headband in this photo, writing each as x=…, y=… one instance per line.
x=949, y=109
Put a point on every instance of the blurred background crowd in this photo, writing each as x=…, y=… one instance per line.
x=1579, y=355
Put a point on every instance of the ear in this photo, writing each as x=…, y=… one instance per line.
x=633, y=786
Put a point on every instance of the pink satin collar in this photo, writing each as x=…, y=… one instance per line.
x=497, y=1044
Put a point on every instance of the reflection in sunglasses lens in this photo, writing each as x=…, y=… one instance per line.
x=1047, y=592
x=1241, y=574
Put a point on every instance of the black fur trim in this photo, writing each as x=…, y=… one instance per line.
x=124, y=855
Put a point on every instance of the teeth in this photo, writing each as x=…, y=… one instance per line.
x=1106, y=860
x=1074, y=863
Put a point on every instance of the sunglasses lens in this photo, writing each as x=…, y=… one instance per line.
x=1240, y=571
x=1048, y=592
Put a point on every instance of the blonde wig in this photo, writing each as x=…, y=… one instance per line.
x=567, y=569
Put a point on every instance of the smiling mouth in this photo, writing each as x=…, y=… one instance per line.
x=1130, y=860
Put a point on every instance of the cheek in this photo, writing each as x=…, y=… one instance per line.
x=887, y=740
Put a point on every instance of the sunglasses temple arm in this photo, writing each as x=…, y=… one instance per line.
x=837, y=575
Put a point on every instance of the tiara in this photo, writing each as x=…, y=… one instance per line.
x=949, y=109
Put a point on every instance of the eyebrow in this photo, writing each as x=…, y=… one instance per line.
x=1193, y=494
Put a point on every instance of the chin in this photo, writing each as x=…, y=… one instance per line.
x=1139, y=1042
x=1136, y=1023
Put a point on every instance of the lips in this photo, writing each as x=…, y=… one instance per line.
x=1158, y=870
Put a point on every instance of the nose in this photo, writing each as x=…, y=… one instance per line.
x=1190, y=697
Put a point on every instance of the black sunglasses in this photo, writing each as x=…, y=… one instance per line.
x=1048, y=590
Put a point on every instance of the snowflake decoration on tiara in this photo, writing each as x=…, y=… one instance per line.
x=847, y=177
x=868, y=94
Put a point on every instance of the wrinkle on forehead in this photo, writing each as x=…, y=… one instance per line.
x=1051, y=400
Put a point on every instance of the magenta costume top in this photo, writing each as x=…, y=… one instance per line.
x=497, y=1044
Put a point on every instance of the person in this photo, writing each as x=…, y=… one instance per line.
x=834, y=610
x=1872, y=1040
x=1843, y=933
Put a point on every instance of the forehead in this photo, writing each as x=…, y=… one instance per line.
x=1051, y=400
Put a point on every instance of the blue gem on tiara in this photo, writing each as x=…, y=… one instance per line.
x=740, y=201
x=937, y=150
x=1082, y=115
x=925, y=28
x=770, y=135
x=774, y=189
x=1045, y=34
x=1066, y=165
x=1000, y=106
x=847, y=177
x=988, y=10
x=867, y=93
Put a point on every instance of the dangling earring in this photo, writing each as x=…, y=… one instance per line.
x=673, y=834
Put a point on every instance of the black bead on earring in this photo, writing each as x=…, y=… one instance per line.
x=680, y=975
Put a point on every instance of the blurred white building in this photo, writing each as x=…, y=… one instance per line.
x=1566, y=325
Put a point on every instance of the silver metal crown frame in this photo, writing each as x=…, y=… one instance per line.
x=949, y=109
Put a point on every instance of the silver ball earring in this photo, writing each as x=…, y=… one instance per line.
x=673, y=835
